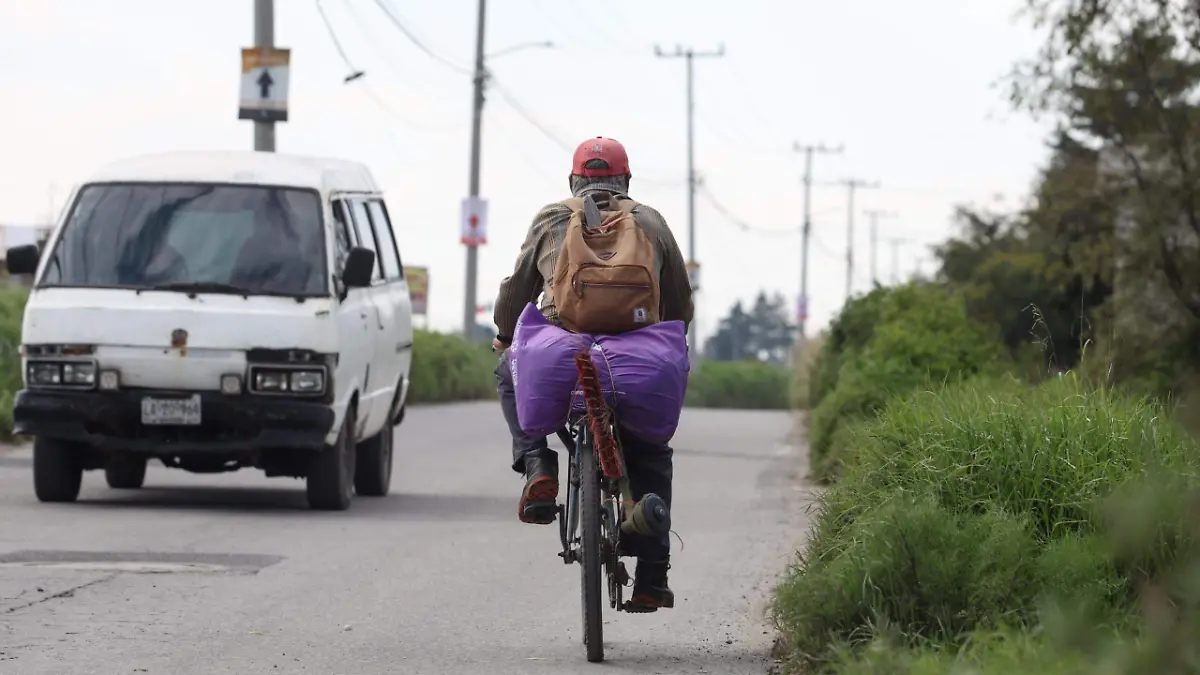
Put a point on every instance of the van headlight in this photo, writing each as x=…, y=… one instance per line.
x=294, y=381
x=57, y=374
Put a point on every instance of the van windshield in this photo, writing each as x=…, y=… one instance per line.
x=243, y=239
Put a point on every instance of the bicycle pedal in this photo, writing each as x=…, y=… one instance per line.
x=631, y=608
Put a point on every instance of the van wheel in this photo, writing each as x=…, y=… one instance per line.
x=57, y=470
x=125, y=473
x=373, y=475
x=330, y=480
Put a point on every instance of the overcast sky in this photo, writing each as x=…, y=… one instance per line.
x=909, y=88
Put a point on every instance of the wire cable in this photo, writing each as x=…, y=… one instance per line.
x=367, y=89
x=529, y=117
x=390, y=13
x=415, y=83
x=337, y=44
x=738, y=222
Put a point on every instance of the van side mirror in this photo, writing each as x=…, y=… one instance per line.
x=360, y=263
x=23, y=259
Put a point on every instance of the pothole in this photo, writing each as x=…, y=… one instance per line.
x=140, y=562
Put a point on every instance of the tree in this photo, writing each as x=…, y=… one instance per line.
x=764, y=333
x=1121, y=76
x=1043, y=273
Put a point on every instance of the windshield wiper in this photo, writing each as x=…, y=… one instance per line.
x=194, y=287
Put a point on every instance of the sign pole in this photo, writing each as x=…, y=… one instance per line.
x=472, y=277
x=264, y=38
x=264, y=84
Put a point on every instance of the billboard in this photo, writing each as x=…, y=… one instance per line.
x=417, y=279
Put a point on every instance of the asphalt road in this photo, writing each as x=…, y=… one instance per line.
x=232, y=574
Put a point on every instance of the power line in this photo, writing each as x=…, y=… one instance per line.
x=390, y=62
x=529, y=117
x=399, y=24
x=738, y=222
x=337, y=44
x=356, y=74
x=390, y=111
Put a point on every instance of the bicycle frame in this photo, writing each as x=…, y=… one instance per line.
x=578, y=440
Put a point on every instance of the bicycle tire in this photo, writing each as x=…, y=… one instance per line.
x=591, y=574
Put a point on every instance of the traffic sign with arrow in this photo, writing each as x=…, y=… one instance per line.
x=264, y=89
x=264, y=84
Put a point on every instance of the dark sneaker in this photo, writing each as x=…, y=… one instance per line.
x=538, y=499
x=650, y=589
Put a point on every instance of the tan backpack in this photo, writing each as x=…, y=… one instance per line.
x=605, y=281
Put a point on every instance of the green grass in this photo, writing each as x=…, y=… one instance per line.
x=965, y=511
x=448, y=368
x=889, y=343
x=738, y=384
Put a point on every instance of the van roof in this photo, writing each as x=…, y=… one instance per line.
x=267, y=168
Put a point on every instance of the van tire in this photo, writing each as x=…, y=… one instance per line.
x=373, y=473
x=330, y=477
x=57, y=470
x=125, y=473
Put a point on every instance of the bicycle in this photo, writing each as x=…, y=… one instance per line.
x=599, y=507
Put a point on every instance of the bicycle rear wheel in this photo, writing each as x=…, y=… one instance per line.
x=591, y=574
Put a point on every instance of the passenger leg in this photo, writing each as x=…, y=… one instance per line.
x=650, y=468
x=532, y=456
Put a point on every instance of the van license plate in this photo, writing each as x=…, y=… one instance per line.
x=171, y=411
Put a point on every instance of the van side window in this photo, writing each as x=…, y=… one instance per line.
x=366, y=239
x=341, y=235
x=392, y=269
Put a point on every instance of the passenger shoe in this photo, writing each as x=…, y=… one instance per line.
x=650, y=589
x=539, y=498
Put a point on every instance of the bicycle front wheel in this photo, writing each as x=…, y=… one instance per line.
x=590, y=554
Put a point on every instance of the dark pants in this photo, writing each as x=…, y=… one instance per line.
x=649, y=466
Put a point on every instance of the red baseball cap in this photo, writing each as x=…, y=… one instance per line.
x=600, y=156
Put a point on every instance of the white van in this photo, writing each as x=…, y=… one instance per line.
x=214, y=311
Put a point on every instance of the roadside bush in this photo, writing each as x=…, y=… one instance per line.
x=448, y=368
x=890, y=343
x=738, y=384
x=12, y=310
x=804, y=371
x=849, y=333
x=969, y=508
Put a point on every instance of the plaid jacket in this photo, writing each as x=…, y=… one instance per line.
x=539, y=254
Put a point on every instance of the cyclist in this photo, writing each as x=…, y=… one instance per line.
x=601, y=169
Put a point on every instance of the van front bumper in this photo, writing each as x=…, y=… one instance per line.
x=113, y=421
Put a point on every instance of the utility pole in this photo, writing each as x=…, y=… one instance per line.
x=852, y=184
x=480, y=79
x=689, y=55
x=264, y=38
x=874, y=215
x=802, y=308
x=896, y=243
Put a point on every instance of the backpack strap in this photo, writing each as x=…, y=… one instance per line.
x=625, y=204
x=622, y=202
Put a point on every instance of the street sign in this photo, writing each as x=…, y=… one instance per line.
x=474, y=221
x=802, y=308
x=693, y=272
x=417, y=279
x=264, y=91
